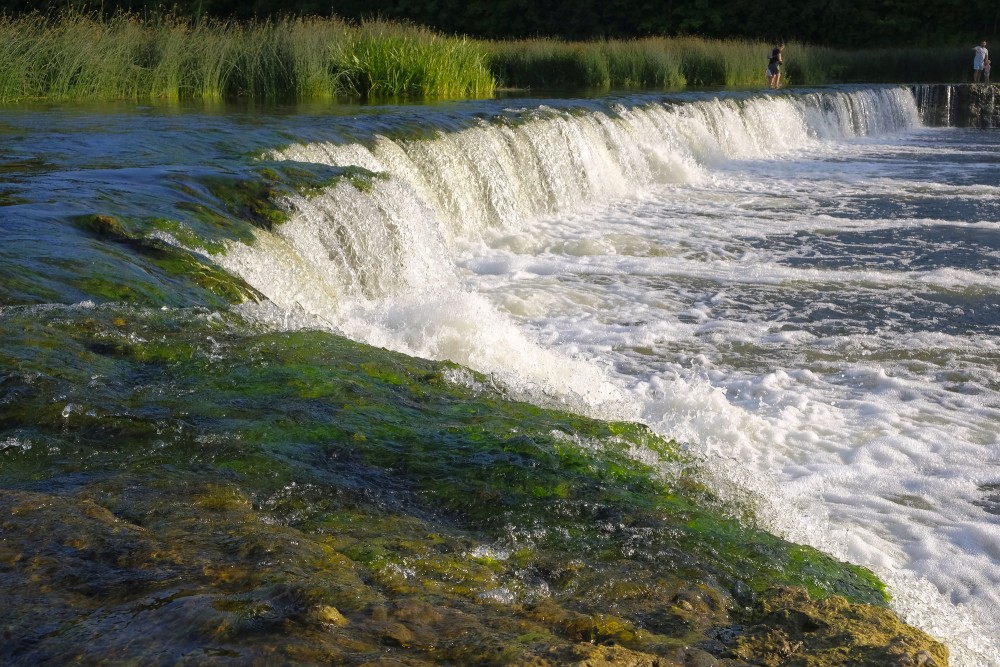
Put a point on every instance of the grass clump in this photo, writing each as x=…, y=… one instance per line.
x=383, y=59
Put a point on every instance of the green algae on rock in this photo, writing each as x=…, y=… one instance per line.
x=128, y=254
x=254, y=195
x=170, y=262
x=179, y=487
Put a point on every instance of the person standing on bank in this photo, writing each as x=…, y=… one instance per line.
x=774, y=66
x=982, y=55
x=986, y=70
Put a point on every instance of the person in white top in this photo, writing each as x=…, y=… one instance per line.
x=982, y=55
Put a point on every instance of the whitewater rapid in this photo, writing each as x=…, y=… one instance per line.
x=781, y=282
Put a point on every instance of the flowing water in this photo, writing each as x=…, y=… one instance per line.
x=803, y=288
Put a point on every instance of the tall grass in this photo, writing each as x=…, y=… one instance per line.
x=554, y=64
x=383, y=59
x=642, y=63
x=910, y=65
x=76, y=56
x=676, y=62
x=653, y=62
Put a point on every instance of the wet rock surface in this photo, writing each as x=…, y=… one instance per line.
x=959, y=105
x=176, y=488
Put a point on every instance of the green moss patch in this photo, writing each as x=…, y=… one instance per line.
x=166, y=265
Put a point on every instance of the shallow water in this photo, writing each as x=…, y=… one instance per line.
x=803, y=288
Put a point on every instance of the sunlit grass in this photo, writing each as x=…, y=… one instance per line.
x=76, y=56
x=383, y=59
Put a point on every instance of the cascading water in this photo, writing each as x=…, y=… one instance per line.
x=371, y=261
x=681, y=263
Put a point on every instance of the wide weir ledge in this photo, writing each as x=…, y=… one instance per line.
x=958, y=104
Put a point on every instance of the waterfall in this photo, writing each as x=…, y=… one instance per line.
x=375, y=262
x=458, y=185
x=935, y=103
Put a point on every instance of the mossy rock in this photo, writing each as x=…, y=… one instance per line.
x=160, y=253
x=256, y=195
x=967, y=105
x=188, y=486
x=791, y=628
x=166, y=267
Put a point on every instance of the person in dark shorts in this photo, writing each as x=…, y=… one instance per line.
x=774, y=66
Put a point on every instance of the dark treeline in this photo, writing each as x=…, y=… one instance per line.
x=839, y=23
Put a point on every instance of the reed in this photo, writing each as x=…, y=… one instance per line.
x=643, y=63
x=702, y=62
x=661, y=63
x=77, y=56
x=315, y=41
x=545, y=64
x=554, y=64
x=383, y=59
x=18, y=47
x=674, y=62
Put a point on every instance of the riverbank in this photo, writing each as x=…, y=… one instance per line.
x=127, y=57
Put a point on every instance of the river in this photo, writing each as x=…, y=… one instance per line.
x=802, y=287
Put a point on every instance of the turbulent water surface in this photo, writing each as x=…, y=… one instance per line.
x=804, y=288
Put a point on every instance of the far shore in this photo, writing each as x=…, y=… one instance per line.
x=127, y=57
